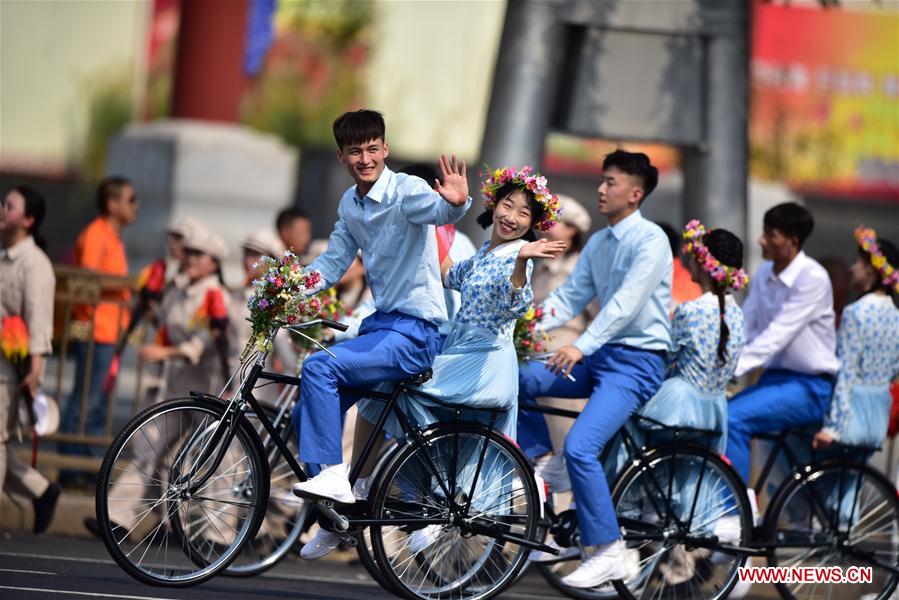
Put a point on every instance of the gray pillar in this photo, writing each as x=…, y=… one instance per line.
x=525, y=84
x=715, y=176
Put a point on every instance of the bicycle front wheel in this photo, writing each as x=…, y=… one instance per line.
x=838, y=514
x=176, y=498
x=462, y=501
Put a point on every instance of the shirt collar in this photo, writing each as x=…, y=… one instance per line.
x=20, y=248
x=379, y=189
x=623, y=226
x=788, y=276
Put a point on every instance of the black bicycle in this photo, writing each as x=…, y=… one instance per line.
x=186, y=485
x=831, y=510
x=671, y=491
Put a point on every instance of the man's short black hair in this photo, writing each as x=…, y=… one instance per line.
x=635, y=164
x=791, y=219
x=110, y=188
x=287, y=216
x=358, y=127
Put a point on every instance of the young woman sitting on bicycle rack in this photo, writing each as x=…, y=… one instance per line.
x=868, y=348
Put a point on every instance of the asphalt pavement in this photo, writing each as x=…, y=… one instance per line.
x=64, y=568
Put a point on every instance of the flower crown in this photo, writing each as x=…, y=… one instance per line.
x=528, y=179
x=730, y=276
x=867, y=239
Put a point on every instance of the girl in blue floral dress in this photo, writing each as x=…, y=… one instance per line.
x=707, y=335
x=478, y=366
x=868, y=348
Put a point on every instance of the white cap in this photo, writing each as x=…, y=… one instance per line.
x=203, y=239
x=264, y=241
x=574, y=214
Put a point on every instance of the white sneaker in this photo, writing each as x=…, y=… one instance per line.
x=424, y=537
x=631, y=563
x=322, y=544
x=540, y=556
x=604, y=565
x=552, y=468
x=331, y=484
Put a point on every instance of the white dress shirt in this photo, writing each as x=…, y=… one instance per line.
x=790, y=319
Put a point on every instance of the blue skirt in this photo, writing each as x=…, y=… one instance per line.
x=869, y=415
x=476, y=369
x=680, y=403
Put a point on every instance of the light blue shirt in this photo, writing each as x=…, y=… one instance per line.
x=392, y=227
x=628, y=267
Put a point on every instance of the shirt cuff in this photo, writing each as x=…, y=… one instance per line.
x=455, y=213
x=587, y=344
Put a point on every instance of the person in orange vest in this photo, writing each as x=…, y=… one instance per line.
x=99, y=248
x=26, y=330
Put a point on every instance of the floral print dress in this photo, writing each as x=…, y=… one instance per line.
x=478, y=366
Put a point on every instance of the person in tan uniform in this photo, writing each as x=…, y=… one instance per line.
x=27, y=285
x=192, y=319
x=573, y=226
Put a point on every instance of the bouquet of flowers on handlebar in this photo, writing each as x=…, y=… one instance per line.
x=286, y=295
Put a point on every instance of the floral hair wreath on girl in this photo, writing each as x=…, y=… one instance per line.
x=730, y=276
x=528, y=179
x=867, y=239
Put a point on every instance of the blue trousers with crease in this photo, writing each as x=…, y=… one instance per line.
x=618, y=380
x=390, y=347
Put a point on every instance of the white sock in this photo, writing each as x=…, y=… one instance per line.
x=610, y=547
x=340, y=468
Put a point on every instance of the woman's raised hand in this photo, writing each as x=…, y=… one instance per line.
x=454, y=188
x=542, y=249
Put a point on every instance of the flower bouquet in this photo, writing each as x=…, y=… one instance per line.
x=529, y=336
x=329, y=307
x=283, y=295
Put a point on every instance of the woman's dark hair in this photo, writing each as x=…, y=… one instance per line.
x=791, y=219
x=891, y=254
x=35, y=207
x=485, y=219
x=728, y=249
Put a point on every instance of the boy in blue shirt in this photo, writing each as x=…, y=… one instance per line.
x=619, y=360
x=389, y=216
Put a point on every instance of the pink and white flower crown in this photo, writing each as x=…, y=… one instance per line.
x=730, y=276
x=867, y=239
x=528, y=179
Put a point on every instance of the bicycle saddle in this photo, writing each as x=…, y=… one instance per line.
x=421, y=377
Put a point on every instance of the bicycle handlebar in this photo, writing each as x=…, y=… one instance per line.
x=324, y=322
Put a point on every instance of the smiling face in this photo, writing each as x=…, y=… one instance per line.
x=364, y=162
x=619, y=194
x=512, y=217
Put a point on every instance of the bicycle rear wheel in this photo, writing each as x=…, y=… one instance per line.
x=838, y=514
x=671, y=507
x=167, y=518
x=457, y=522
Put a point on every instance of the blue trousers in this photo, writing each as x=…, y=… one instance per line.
x=781, y=399
x=390, y=347
x=617, y=379
x=95, y=419
x=533, y=433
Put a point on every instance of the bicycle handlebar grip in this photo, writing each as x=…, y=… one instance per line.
x=335, y=325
